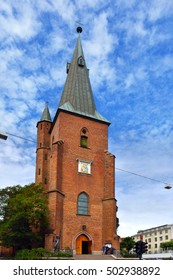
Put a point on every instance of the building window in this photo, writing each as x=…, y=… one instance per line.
x=155, y=245
x=149, y=240
x=84, y=142
x=82, y=204
x=166, y=237
x=45, y=156
x=81, y=61
x=161, y=238
x=156, y=239
x=84, y=137
x=45, y=181
x=39, y=171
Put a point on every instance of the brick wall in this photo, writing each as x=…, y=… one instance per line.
x=65, y=183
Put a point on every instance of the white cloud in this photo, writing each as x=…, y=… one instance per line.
x=156, y=12
x=18, y=20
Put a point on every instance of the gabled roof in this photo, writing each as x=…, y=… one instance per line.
x=46, y=114
x=77, y=96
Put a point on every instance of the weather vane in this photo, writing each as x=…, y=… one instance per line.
x=79, y=22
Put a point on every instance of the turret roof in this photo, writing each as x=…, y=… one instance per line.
x=46, y=114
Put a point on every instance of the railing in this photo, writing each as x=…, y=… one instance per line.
x=161, y=251
x=162, y=255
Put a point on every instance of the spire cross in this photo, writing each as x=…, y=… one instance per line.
x=79, y=28
x=79, y=22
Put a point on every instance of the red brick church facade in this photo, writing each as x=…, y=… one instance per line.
x=75, y=167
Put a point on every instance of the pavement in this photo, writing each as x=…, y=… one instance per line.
x=94, y=257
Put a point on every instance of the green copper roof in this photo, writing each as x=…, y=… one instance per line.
x=77, y=96
x=46, y=114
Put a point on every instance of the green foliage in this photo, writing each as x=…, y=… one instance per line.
x=167, y=245
x=39, y=253
x=33, y=254
x=129, y=255
x=24, y=216
x=126, y=245
x=5, y=195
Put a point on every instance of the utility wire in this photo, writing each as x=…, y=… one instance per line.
x=21, y=137
x=132, y=173
x=143, y=176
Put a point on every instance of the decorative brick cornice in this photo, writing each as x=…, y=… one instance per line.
x=54, y=190
x=59, y=142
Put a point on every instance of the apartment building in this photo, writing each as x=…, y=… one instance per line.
x=155, y=236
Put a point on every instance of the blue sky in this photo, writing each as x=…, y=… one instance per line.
x=128, y=47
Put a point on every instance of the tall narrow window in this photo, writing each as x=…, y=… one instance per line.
x=84, y=137
x=83, y=141
x=82, y=204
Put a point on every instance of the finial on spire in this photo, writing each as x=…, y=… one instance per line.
x=79, y=29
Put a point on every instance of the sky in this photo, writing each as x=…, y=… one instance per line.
x=128, y=47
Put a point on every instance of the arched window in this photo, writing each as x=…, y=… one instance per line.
x=84, y=138
x=81, y=61
x=82, y=207
x=83, y=141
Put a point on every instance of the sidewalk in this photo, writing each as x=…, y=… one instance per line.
x=94, y=257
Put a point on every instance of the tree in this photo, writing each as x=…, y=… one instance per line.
x=23, y=216
x=127, y=245
x=167, y=245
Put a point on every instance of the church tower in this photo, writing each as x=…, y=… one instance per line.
x=75, y=167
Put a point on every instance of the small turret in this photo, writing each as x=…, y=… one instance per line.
x=43, y=148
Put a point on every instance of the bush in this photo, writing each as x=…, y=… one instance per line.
x=128, y=255
x=33, y=254
x=39, y=253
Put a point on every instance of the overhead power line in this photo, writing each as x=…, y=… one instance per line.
x=139, y=175
x=167, y=185
x=30, y=140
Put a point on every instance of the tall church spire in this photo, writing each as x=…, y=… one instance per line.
x=77, y=96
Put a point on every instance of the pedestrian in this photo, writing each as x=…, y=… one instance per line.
x=104, y=249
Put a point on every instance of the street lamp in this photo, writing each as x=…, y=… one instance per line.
x=168, y=187
x=3, y=136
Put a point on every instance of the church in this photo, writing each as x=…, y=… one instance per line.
x=75, y=167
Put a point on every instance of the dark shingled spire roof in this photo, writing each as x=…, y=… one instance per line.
x=77, y=96
x=46, y=114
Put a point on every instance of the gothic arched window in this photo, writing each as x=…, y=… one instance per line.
x=84, y=138
x=82, y=204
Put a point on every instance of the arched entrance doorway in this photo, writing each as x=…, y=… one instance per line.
x=83, y=245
